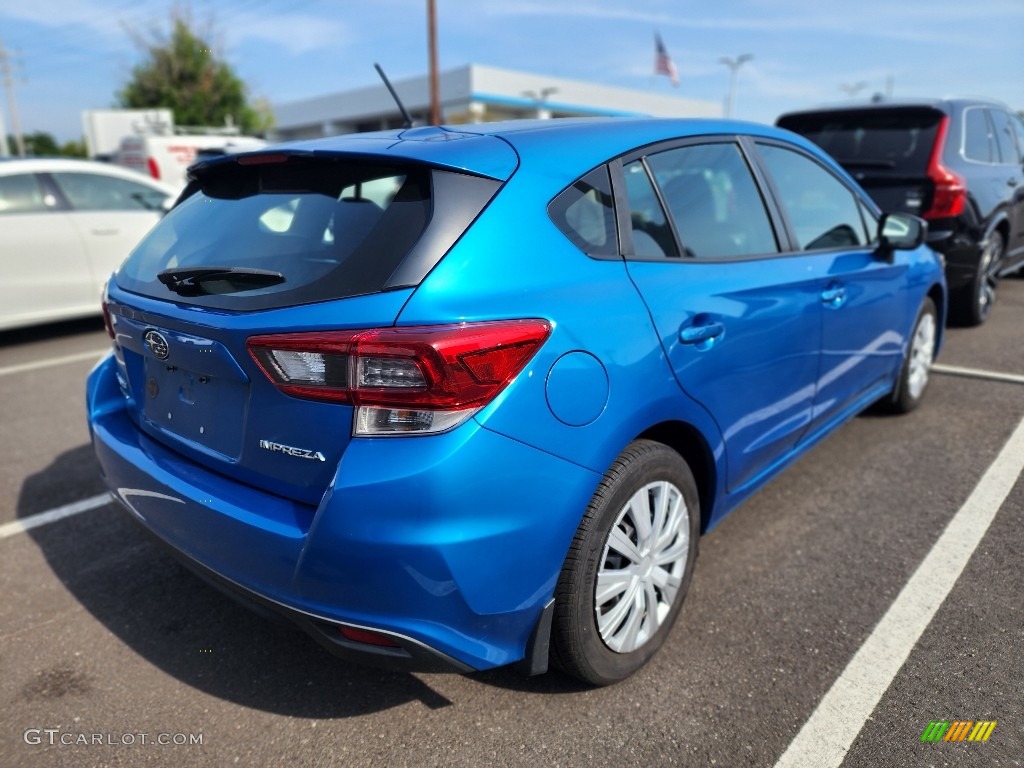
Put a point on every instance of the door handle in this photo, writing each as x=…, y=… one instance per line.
x=105, y=232
x=1012, y=182
x=834, y=296
x=704, y=334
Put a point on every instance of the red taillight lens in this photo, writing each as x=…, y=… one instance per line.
x=154, y=169
x=402, y=379
x=949, y=197
x=367, y=637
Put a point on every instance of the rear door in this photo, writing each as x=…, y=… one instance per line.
x=1010, y=179
x=741, y=326
x=111, y=215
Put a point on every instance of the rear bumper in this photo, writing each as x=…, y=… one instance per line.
x=451, y=545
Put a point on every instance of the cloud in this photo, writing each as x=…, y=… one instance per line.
x=295, y=33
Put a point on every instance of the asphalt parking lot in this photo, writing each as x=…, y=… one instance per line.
x=111, y=654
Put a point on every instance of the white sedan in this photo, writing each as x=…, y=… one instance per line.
x=65, y=225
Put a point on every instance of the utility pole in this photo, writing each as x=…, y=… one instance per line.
x=12, y=104
x=435, y=98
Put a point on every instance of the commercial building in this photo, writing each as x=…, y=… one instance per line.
x=474, y=94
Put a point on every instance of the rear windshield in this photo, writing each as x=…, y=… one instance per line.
x=294, y=231
x=899, y=141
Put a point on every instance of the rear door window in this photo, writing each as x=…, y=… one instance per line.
x=652, y=233
x=1006, y=141
x=22, y=193
x=713, y=201
x=93, y=192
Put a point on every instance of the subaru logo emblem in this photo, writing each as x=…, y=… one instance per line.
x=157, y=344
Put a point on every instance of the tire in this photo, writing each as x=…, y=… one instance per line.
x=604, y=638
x=974, y=302
x=916, y=370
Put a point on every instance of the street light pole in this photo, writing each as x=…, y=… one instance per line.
x=853, y=89
x=540, y=98
x=734, y=68
x=435, y=98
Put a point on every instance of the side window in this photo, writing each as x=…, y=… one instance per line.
x=652, y=235
x=1018, y=128
x=92, y=192
x=978, y=139
x=23, y=194
x=585, y=213
x=714, y=201
x=823, y=211
x=1005, y=138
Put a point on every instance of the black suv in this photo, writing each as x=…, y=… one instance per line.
x=959, y=163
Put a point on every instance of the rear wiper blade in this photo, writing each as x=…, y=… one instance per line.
x=189, y=281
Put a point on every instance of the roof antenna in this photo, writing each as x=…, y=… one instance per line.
x=398, y=101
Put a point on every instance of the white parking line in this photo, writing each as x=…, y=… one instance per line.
x=53, y=515
x=827, y=735
x=34, y=366
x=975, y=373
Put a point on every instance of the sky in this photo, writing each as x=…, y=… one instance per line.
x=70, y=55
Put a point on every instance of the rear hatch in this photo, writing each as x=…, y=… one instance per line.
x=267, y=244
x=888, y=150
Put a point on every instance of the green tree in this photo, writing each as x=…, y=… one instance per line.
x=38, y=144
x=74, y=149
x=182, y=72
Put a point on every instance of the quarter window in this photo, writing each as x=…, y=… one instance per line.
x=713, y=201
x=823, y=212
x=585, y=213
x=978, y=140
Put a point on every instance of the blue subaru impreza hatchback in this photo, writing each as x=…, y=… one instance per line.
x=463, y=397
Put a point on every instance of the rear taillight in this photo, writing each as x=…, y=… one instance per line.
x=154, y=169
x=417, y=380
x=949, y=197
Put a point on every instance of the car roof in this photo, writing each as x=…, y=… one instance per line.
x=13, y=165
x=496, y=149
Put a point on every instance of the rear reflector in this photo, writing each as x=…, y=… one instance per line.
x=154, y=169
x=367, y=637
x=416, y=380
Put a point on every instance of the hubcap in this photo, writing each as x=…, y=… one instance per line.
x=642, y=566
x=922, y=354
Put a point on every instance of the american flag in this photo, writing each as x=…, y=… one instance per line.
x=663, y=62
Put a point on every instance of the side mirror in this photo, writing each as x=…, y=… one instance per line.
x=900, y=232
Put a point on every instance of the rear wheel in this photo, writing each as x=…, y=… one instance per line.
x=917, y=366
x=974, y=303
x=629, y=566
